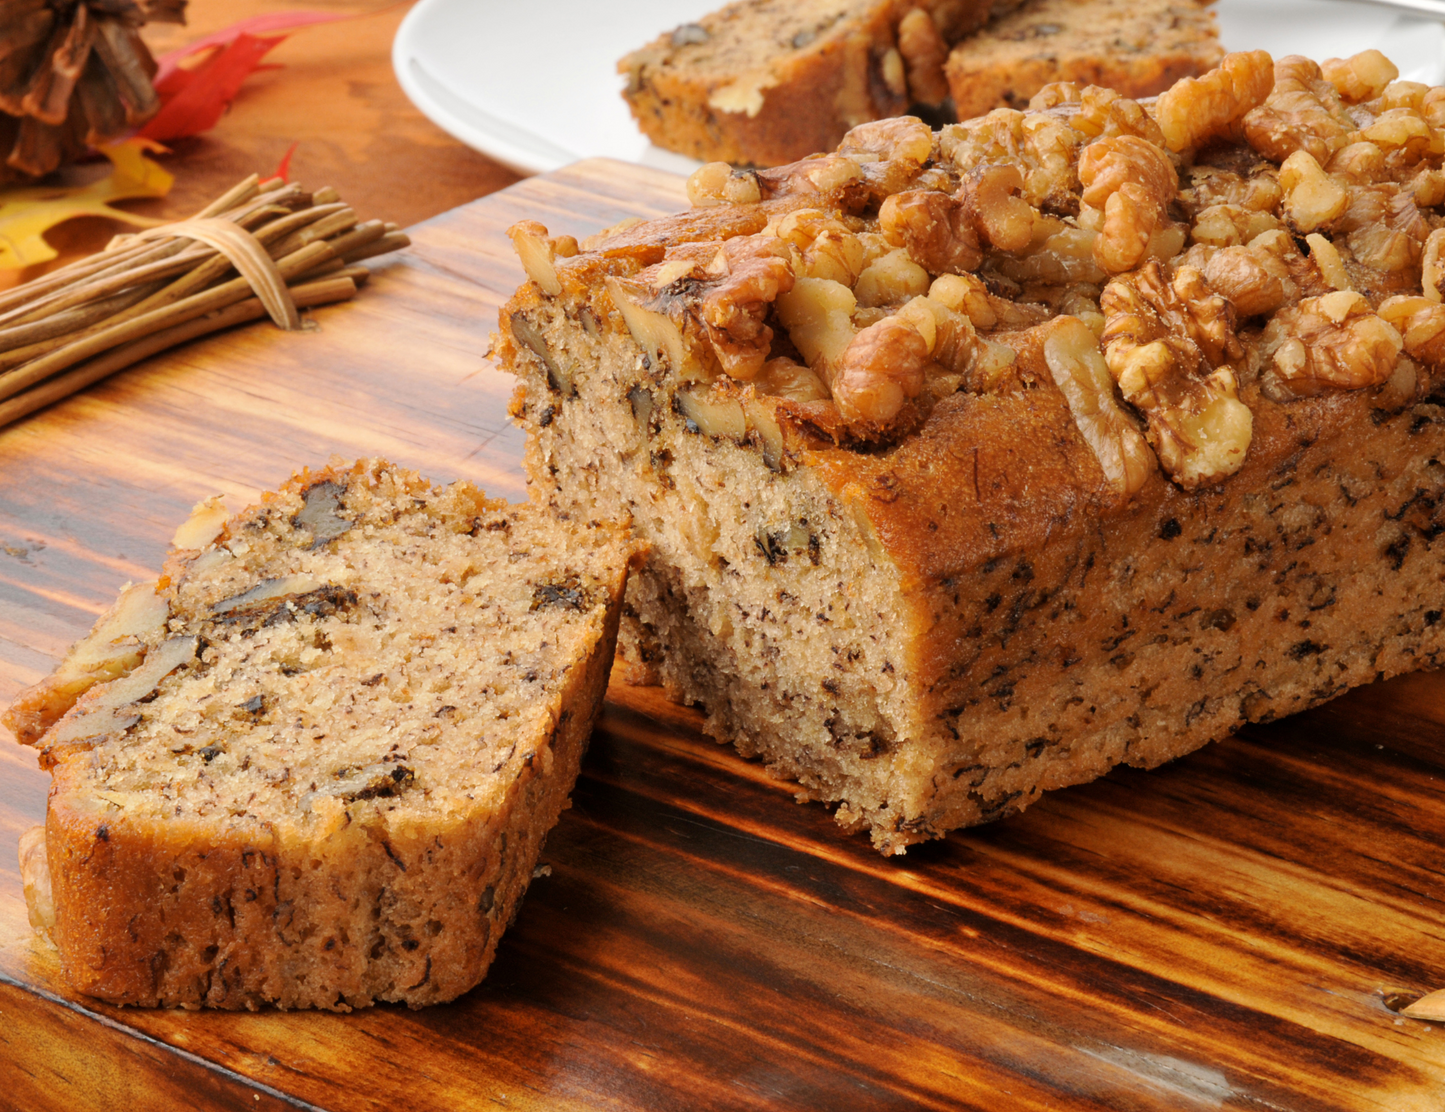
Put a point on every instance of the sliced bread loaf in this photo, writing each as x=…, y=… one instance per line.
x=314, y=764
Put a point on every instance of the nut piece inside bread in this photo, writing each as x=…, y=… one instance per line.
x=323, y=770
x=976, y=462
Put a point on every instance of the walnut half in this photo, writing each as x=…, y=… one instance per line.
x=1326, y=344
x=1078, y=369
x=1163, y=343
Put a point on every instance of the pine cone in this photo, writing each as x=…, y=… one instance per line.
x=73, y=73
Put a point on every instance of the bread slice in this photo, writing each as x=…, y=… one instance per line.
x=320, y=756
x=967, y=475
x=765, y=82
x=1135, y=47
x=762, y=82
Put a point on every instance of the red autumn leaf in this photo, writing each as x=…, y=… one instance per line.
x=193, y=100
x=170, y=62
x=283, y=171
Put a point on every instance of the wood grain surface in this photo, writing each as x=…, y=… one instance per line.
x=1234, y=931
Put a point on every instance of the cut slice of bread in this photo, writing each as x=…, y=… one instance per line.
x=1135, y=47
x=314, y=764
x=764, y=82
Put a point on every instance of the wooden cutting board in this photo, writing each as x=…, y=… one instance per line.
x=1233, y=931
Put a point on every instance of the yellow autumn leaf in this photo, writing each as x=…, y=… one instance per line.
x=26, y=214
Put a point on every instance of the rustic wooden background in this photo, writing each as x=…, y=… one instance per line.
x=1233, y=931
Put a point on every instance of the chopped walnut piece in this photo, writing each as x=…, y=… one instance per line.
x=1082, y=376
x=1105, y=114
x=1303, y=112
x=1230, y=225
x=1384, y=229
x=1421, y=325
x=935, y=229
x=877, y=373
x=1004, y=220
x=1254, y=282
x=1208, y=185
x=1360, y=162
x=717, y=183
x=904, y=138
x=1330, y=343
x=1362, y=76
x=1326, y=258
x=753, y=274
x=827, y=248
x=1312, y=198
x=891, y=280
x=924, y=53
x=1162, y=342
x=536, y=251
x=1133, y=181
x=1432, y=269
x=1196, y=110
x=786, y=379
x=966, y=294
x=818, y=315
x=1043, y=148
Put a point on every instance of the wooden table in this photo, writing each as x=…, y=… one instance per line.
x=1229, y=932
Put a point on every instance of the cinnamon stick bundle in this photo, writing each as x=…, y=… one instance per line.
x=264, y=249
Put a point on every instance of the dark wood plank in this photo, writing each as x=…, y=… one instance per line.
x=1231, y=931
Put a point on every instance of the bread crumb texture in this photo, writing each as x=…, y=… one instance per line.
x=341, y=729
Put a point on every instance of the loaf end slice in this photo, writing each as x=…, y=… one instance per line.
x=1135, y=47
x=764, y=82
x=322, y=775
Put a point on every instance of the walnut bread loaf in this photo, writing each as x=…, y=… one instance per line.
x=314, y=764
x=974, y=463
x=763, y=82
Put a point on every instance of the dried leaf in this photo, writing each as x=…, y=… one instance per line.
x=194, y=100
x=1430, y=1006
x=27, y=214
x=257, y=25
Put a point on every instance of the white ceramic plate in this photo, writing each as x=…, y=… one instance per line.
x=534, y=83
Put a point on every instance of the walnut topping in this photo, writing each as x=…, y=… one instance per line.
x=891, y=280
x=1133, y=181
x=1078, y=368
x=1361, y=77
x=1194, y=110
x=1004, y=220
x=826, y=246
x=1421, y=325
x=1255, y=282
x=1230, y=225
x=818, y=314
x=902, y=139
x=1384, y=229
x=1329, y=343
x=754, y=273
x=878, y=372
x=1042, y=147
x=933, y=228
x=1162, y=343
x=1303, y=112
x=717, y=183
x=1311, y=197
x=537, y=253
x=1432, y=271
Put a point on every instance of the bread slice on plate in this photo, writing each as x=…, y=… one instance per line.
x=974, y=463
x=314, y=764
